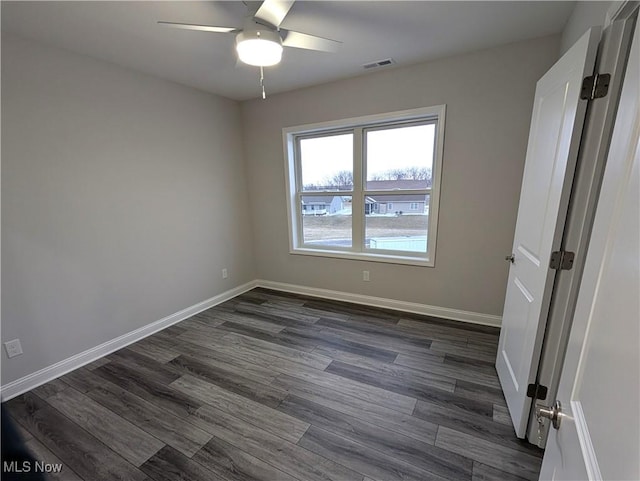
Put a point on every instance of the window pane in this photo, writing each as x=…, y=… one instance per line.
x=326, y=220
x=397, y=222
x=400, y=157
x=327, y=162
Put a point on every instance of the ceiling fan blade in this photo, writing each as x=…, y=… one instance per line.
x=202, y=28
x=309, y=42
x=274, y=11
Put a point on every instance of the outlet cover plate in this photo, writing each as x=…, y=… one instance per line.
x=14, y=348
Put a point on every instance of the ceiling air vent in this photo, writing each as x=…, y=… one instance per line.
x=379, y=63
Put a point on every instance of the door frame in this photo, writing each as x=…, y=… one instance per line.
x=613, y=53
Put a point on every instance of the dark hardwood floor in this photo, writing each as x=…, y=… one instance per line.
x=275, y=386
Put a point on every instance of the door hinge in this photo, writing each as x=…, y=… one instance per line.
x=561, y=260
x=595, y=86
x=537, y=391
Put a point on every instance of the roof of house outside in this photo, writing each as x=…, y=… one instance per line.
x=318, y=199
x=396, y=184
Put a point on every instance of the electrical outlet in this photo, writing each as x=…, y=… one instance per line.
x=225, y=274
x=365, y=276
x=13, y=348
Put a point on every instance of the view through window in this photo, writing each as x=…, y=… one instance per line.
x=367, y=187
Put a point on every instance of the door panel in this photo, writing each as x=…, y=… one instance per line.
x=599, y=435
x=613, y=52
x=554, y=139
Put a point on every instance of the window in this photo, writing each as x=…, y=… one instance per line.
x=366, y=188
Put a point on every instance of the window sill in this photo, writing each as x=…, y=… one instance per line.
x=360, y=256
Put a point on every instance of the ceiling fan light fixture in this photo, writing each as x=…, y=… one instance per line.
x=261, y=48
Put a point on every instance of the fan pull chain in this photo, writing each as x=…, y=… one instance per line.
x=264, y=95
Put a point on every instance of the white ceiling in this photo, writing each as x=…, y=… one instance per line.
x=126, y=33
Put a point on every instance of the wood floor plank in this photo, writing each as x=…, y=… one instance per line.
x=252, y=358
x=49, y=389
x=266, y=295
x=473, y=390
x=362, y=459
x=270, y=314
x=161, y=340
x=230, y=380
x=275, y=422
x=202, y=320
x=475, y=407
x=154, y=351
x=144, y=366
x=381, y=342
x=22, y=432
x=388, y=332
x=323, y=339
x=469, y=422
x=488, y=367
x=381, y=416
x=167, y=427
x=339, y=354
x=494, y=455
x=276, y=312
x=156, y=393
x=174, y=330
x=431, y=377
x=354, y=310
x=421, y=392
x=251, y=321
x=283, y=455
x=375, y=394
x=44, y=455
x=482, y=472
x=82, y=380
x=21, y=407
x=501, y=415
x=228, y=462
x=126, y=439
x=406, y=386
x=306, y=358
x=305, y=310
x=170, y=465
x=447, y=347
x=449, y=324
x=203, y=336
x=96, y=364
x=480, y=375
x=229, y=359
x=281, y=339
x=421, y=455
x=77, y=449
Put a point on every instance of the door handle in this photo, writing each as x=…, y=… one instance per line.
x=510, y=258
x=553, y=413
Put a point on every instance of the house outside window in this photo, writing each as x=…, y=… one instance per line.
x=366, y=188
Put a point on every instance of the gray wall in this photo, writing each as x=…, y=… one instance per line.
x=584, y=15
x=489, y=96
x=123, y=196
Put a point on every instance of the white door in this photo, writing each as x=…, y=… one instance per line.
x=554, y=139
x=599, y=433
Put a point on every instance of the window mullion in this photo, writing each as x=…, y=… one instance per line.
x=357, y=201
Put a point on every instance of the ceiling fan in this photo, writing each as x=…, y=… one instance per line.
x=261, y=40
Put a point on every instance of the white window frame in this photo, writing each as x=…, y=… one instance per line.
x=358, y=125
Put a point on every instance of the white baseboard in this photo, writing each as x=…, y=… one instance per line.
x=58, y=369
x=413, y=307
